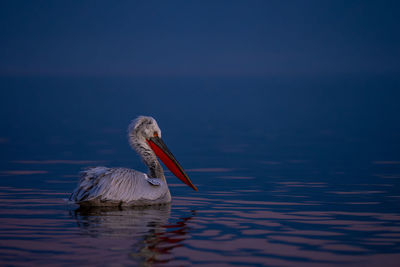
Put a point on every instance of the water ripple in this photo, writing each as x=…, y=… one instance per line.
x=38, y=226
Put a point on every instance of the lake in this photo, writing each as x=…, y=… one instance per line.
x=291, y=171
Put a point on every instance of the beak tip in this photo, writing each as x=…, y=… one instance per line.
x=193, y=187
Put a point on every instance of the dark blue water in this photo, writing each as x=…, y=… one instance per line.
x=290, y=171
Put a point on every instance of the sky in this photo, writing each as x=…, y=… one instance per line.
x=198, y=38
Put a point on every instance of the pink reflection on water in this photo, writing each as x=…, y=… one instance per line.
x=223, y=259
x=19, y=172
x=233, y=247
x=60, y=182
x=182, y=200
x=73, y=162
x=356, y=192
x=343, y=247
x=209, y=233
x=371, y=227
x=302, y=184
x=325, y=233
x=298, y=239
x=177, y=185
x=12, y=189
x=236, y=177
x=390, y=235
x=261, y=214
x=256, y=232
x=54, y=251
x=222, y=193
x=362, y=203
x=270, y=203
x=210, y=170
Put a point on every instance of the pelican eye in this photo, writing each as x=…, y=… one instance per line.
x=155, y=134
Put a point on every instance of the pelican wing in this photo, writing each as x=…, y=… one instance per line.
x=100, y=186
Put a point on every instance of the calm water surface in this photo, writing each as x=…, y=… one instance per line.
x=290, y=173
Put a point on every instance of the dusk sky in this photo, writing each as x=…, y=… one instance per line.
x=198, y=38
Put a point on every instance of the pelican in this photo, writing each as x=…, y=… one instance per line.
x=102, y=186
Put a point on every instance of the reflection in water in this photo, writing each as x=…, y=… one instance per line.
x=153, y=237
x=121, y=222
x=36, y=225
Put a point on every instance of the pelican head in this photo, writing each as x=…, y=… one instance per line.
x=142, y=129
x=145, y=138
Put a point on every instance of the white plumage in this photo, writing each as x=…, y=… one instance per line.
x=102, y=186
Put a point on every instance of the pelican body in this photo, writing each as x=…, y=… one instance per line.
x=102, y=186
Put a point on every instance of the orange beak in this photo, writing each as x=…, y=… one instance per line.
x=163, y=153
